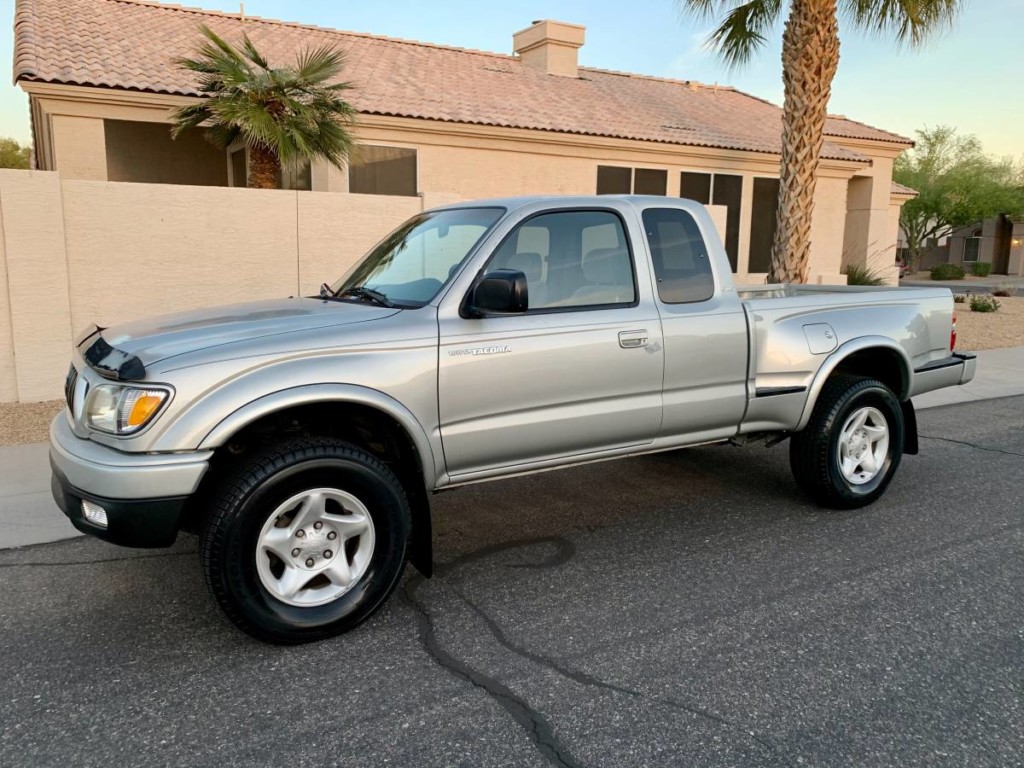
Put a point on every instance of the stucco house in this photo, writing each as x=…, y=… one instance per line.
x=437, y=120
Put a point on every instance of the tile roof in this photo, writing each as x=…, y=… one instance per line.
x=131, y=44
x=900, y=189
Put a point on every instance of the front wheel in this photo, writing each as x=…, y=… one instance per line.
x=307, y=541
x=852, y=445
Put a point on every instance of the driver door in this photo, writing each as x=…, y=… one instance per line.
x=579, y=372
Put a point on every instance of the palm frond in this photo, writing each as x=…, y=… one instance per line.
x=318, y=65
x=909, y=21
x=743, y=28
x=293, y=112
x=252, y=54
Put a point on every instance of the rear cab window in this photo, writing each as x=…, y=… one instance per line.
x=682, y=265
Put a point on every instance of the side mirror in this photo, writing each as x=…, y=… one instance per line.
x=501, y=292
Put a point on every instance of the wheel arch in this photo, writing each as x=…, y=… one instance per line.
x=367, y=418
x=875, y=356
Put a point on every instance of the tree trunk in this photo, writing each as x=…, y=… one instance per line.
x=810, y=56
x=264, y=169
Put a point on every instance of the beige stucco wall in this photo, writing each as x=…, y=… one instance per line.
x=335, y=230
x=79, y=143
x=37, y=282
x=76, y=252
x=136, y=248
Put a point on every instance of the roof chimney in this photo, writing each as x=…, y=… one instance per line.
x=550, y=46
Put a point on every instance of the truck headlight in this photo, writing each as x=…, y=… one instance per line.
x=122, y=410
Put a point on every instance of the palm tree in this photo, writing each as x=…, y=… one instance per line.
x=810, y=56
x=283, y=114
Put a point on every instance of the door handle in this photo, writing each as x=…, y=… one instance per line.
x=631, y=339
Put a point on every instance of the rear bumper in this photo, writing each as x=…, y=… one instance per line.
x=951, y=371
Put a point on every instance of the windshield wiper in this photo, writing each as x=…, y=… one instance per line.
x=362, y=292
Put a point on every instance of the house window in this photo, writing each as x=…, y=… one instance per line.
x=297, y=176
x=614, y=180
x=718, y=189
x=649, y=181
x=378, y=170
x=727, y=190
x=763, y=224
x=972, y=245
x=239, y=175
x=695, y=186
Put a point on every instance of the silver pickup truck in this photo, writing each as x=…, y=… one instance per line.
x=301, y=438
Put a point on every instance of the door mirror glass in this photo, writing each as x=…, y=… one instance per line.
x=501, y=292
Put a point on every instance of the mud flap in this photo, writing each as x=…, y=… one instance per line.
x=910, y=444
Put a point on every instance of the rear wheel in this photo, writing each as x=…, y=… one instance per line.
x=306, y=542
x=852, y=445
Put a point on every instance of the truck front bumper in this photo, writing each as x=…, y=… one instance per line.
x=142, y=496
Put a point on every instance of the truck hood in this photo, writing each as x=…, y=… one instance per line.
x=158, y=338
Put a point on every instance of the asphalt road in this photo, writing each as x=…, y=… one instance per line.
x=685, y=609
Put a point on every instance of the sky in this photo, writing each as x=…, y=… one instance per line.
x=968, y=77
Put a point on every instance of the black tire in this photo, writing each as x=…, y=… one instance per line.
x=814, y=452
x=244, y=503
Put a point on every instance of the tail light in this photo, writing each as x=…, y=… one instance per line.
x=952, y=333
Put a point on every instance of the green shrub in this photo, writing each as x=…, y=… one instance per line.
x=947, y=272
x=858, y=275
x=981, y=269
x=984, y=304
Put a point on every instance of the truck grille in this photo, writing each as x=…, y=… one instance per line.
x=69, y=387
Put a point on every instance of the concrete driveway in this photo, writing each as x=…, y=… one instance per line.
x=685, y=609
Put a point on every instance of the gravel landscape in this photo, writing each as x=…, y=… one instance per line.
x=991, y=330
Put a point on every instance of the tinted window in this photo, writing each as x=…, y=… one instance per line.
x=570, y=259
x=682, y=266
x=728, y=191
x=762, y=224
x=375, y=170
x=649, y=181
x=612, y=180
x=695, y=186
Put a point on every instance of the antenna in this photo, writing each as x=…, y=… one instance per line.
x=241, y=10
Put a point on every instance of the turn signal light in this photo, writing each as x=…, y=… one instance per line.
x=142, y=409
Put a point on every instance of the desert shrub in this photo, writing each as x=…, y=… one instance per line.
x=947, y=272
x=1005, y=290
x=981, y=269
x=959, y=298
x=984, y=304
x=859, y=275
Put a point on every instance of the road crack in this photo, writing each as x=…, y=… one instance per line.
x=971, y=445
x=95, y=562
x=589, y=680
x=536, y=725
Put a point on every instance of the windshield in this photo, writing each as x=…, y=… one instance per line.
x=410, y=266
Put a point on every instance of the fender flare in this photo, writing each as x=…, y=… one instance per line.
x=309, y=394
x=844, y=351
